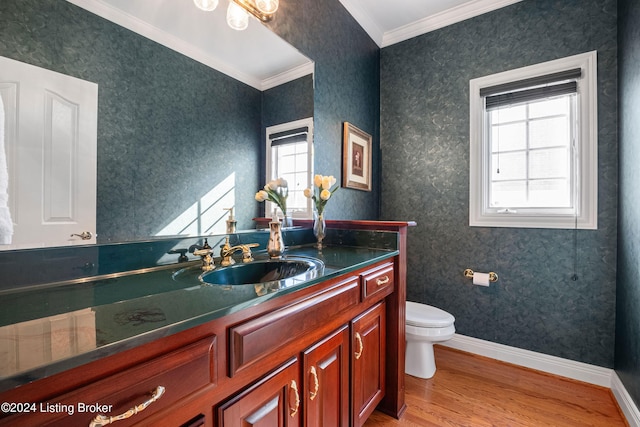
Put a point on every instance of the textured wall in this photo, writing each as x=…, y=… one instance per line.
x=628, y=296
x=281, y=104
x=288, y=102
x=425, y=177
x=346, y=89
x=169, y=128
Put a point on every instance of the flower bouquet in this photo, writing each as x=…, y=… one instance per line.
x=323, y=189
x=275, y=191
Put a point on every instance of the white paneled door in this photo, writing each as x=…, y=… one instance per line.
x=50, y=142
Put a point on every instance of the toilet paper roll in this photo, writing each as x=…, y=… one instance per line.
x=481, y=279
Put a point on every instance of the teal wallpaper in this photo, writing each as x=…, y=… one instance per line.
x=425, y=177
x=169, y=128
x=627, y=362
x=347, y=88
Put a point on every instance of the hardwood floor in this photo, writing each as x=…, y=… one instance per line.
x=474, y=391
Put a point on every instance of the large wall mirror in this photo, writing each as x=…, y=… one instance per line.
x=182, y=104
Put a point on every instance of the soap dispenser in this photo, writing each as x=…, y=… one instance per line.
x=231, y=222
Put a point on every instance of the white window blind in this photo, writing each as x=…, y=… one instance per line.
x=533, y=152
x=290, y=156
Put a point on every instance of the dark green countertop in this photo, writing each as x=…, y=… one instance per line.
x=126, y=311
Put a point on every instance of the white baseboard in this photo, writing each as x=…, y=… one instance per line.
x=554, y=365
x=626, y=403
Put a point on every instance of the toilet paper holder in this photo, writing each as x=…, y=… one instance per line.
x=493, y=277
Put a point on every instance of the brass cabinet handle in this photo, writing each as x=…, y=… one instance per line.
x=316, y=384
x=293, y=411
x=360, y=346
x=384, y=281
x=103, y=420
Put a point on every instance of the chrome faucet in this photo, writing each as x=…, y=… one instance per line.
x=227, y=251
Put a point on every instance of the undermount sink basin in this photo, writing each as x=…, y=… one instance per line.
x=287, y=271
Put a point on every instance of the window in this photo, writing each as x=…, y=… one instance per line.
x=533, y=153
x=290, y=156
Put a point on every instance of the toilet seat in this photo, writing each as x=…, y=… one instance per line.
x=426, y=316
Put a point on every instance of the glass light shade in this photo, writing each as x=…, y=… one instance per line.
x=267, y=6
x=207, y=5
x=237, y=17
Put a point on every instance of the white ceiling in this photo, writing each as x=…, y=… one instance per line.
x=258, y=57
x=255, y=56
x=391, y=21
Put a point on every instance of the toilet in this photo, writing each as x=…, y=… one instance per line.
x=425, y=325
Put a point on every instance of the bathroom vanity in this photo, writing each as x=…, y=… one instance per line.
x=326, y=350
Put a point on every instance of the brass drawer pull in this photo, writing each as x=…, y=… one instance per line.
x=360, y=346
x=294, y=387
x=316, y=384
x=103, y=420
x=384, y=281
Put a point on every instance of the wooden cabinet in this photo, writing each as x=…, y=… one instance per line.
x=378, y=281
x=326, y=381
x=138, y=392
x=345, y=369
x=256, y=339
x=367, y=362
x=274, y=401
x=311, y=358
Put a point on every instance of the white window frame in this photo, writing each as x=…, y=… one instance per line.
x=308, y=122
x=585, y=215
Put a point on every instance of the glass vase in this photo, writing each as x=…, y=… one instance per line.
x=319, y=228
x=287, y=221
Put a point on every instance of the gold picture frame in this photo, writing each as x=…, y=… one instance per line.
x=356, y=158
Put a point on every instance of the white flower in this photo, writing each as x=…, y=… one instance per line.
x=262, y=195
x=281, y=182
x=271, y=185
x=308, y=193
x=326, y=182
x=317, y=181
x=325, y=194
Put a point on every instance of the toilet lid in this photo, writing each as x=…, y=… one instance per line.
x=427, y=316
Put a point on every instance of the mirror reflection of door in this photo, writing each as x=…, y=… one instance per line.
x=50, y=128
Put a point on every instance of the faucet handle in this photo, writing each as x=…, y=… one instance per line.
x=246, y=252
x=207, y=259
x=183, y=257
x=202, y=252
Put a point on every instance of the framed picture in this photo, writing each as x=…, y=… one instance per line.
x=356, y=158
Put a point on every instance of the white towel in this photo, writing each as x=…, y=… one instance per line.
x=6, y=224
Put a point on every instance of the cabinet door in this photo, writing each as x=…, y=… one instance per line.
x=273, y=401
x=326, y=381
x=367, y=361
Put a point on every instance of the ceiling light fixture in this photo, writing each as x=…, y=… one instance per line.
x=237, y=17
x=206, y=5
x=239, y=10
x=237, y=14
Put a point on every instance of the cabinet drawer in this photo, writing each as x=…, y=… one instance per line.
x=378, y=281
x=180, y=372
x=252, y=340
x=273, y=401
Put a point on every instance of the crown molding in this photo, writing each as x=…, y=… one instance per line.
x=147, y=30
x=365, y=20
x=287, y=76
x=448, y=17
